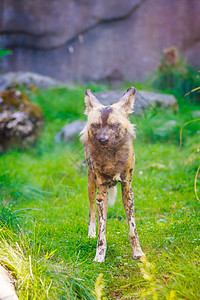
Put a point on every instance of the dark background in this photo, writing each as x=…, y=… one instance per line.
x=113, y=40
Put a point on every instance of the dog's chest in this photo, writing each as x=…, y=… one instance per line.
x=109, y=163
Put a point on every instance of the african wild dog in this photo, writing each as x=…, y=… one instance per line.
x=107, y=139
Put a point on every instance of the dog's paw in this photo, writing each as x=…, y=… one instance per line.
x=100, y=254
x=138, y=255
x=99, y=258
x=92, y=235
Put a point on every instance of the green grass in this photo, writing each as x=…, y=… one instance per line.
x=44, y=211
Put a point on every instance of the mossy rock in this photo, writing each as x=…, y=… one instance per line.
x=21, y=121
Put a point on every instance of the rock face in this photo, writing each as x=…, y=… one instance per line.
x=12, y=80
x=143, y=100
x=69, y=131
x=97, y=40
x=7, y=290
x=20, y=120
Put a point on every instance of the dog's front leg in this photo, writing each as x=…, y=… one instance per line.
x=91, y=195
x=102, y=207
x=128, y=201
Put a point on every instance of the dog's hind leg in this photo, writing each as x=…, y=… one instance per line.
x=91, y=195
x=128, y=201
x=102, y=207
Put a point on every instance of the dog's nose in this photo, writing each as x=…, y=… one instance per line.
x=103, y=140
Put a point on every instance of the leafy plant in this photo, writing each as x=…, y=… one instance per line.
x=4, y=52
x=98, y=288
x=178, y=79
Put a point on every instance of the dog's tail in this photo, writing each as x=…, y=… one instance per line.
x=112, y=195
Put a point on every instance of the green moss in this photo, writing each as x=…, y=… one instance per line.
x=18, y=101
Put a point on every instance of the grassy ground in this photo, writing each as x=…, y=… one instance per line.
x=44, y=212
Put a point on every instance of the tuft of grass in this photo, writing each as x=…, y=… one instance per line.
x=98, y=288
x=11, y=218
x=35, y=272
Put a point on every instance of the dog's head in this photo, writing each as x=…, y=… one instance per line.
x=109, y=126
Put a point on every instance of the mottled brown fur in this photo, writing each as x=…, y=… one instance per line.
x=107, y=139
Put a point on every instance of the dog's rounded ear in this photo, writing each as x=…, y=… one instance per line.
x=90, y=101
x=127, y=101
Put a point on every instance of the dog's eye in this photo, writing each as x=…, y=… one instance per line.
x=95, y=125
x=115, y=126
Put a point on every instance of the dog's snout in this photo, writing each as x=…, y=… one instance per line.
x=103, y=140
